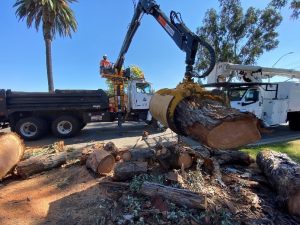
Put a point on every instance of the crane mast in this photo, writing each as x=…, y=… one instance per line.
x=183, y=37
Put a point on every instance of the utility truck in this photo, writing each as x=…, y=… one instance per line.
x=249, y=89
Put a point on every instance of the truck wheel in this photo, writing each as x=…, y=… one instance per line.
x=294, y=124
x=31, y=128
x=65, y=126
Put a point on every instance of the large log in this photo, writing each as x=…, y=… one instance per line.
x=11, y=152
x=127, y=170
x=222, y=156
x=284, y=177
x=101, y=162
x=42, y=163
x=178, y=196
x=214, y=124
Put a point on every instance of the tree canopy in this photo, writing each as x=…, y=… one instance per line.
x=294, y=5
x=239, y=36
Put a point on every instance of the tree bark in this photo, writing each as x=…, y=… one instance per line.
x=232, y=157
x=214, y=124
x=138, y=155
x=284, y=176
x=112, y=148
x=101, y=162
x=11, y=152
x=178, y=196
x=49, y=64
x=39, y=164
x=42, y=163
x=127, y=170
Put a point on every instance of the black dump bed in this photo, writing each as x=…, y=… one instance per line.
x=59, y=100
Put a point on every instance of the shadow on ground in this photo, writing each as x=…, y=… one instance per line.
x=97, y=132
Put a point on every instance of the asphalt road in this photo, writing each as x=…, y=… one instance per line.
x=131, y=134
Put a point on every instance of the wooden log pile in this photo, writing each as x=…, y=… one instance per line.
x=214, y=124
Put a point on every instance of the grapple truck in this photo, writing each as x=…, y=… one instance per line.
x=188, y=109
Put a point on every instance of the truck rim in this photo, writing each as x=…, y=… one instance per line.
x=64, y=127
x=28, y=129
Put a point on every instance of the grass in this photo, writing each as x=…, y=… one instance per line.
x=292, y=149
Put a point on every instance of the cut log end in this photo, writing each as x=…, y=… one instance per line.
x=11, y=152
x=106, y=165
x=185, y=161
x=216, y=125
x=101, y=162
x=233, y=134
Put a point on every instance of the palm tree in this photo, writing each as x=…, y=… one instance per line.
x=56, y=16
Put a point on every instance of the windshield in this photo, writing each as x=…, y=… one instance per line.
x=144, y=88
x=236, y=94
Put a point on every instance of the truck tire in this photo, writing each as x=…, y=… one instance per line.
x=294, y=124
x=65, y=126
x=31, y=128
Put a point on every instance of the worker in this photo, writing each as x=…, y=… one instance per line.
x=105, y=65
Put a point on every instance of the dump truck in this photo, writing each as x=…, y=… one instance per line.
x=66, y=112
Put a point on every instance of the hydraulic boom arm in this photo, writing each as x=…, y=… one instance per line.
x=184, y=38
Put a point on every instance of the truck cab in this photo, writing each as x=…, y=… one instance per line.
x=273, y=103
x=246, y=100
x=139, y=94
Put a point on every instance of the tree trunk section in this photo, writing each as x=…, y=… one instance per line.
x=101, y=162
x=42, y=163
x=112, y=148
x=39, y=164
x=180, y=197
x=138, y=155
x=284, y=177
x=214, y=124
x=49, y=64
x=174, y=157
x=11, y=152
x=127, y=170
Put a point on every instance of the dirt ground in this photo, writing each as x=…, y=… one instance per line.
x=73, y=195
x=43, y=198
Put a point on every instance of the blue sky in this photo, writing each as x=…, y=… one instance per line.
x=102, y=26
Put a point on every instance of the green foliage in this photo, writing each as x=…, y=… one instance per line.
x=137, y=181
x=135, y=73
x=238, y=36
x=294, y=5
x=56, y=16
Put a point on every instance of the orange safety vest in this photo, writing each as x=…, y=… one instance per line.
x=105, y=63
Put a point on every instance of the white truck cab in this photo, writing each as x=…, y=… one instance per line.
x=139, y=94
